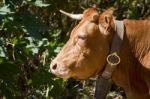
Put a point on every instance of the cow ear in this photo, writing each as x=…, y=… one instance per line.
x=110, y=11
x=107, y=23
x=109, y=14
x=105, y=20
x=108, y=19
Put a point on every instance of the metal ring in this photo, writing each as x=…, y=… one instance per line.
x=113, y=59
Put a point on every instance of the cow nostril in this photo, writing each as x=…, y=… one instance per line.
x=54, y=67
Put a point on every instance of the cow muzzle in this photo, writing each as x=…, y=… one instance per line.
x=59, y=69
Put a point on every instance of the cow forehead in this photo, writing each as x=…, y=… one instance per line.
x=89, y=12
x=84, y=28
x=83, y=24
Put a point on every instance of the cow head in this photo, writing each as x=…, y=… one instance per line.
x=84, y=55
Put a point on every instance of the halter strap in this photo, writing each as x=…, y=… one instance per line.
x=103, y=83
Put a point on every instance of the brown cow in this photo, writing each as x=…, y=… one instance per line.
x=85, y=53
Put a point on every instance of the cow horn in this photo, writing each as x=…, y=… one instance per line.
x=73, y=16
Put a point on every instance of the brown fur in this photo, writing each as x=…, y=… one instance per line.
x=133, y=73
x=85, y=53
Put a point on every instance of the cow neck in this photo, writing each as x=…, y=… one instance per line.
x=103, y=82
x=113, y=58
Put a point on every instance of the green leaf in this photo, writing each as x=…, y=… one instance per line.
x=40, y=3
x=41, y=78
x=5, y=10
x=57, y=88
x=34, y=27
x=9, y=72
x=8, y=91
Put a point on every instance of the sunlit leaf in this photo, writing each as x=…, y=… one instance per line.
x=5, y=10
x=40, y=3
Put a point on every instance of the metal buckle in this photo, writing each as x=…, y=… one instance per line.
x=113, y=59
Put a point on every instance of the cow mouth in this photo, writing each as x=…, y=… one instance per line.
x=60, y=72
x=65, y=77
x=63, y=74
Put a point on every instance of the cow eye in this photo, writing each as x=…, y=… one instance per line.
x=83, y=37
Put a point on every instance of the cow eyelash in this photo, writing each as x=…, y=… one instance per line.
x=83, y=37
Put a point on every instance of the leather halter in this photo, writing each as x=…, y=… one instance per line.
x=103, y=83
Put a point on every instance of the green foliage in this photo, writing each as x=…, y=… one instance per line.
x=32, y=32
x=8, y=74
x=26, y=49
